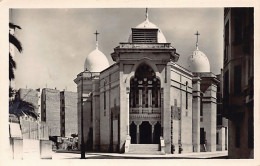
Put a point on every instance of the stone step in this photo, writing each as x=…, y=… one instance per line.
x=144, y=149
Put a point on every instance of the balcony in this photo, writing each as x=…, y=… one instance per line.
x=145, y=45
x=141, y=110
x=145, y=113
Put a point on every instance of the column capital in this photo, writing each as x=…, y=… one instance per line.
x=153, y=123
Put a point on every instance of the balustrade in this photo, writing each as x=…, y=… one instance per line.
x=141, y=110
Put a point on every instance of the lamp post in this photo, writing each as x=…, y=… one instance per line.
x=82, y=146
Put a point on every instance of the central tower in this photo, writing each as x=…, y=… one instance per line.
x=144, y=65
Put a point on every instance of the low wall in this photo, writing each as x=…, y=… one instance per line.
x=46, y=149
x=16, y=145
x=30, y=149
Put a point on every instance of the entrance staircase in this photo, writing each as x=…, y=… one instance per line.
x=144, y=149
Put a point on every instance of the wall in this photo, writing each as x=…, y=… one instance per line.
x=109, y=128
x=238, y=106
x=70, y=100
x=182, y=129
x=51, y=110
x=30, y=128
x=86, y=105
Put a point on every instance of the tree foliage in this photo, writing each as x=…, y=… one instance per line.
x=20, y=107
x=14, y=41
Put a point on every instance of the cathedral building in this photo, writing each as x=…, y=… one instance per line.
x=145, y=102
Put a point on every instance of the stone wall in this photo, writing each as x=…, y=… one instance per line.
x=70, y=101
x=109, y=109
x=51, y=110
x=181, y=98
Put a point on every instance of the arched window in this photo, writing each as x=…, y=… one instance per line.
x=144, y=88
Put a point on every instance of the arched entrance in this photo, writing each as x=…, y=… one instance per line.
x=145, y=106
x=133, y=133
x=157, y=133
x=145, y=133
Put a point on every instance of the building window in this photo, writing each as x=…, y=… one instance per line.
x=226, y=41
x=186, y=94
x=226, y=88
x=237, y=135
x=237, y=79
x=238, y=18
x=144, y=88
x=144, y=35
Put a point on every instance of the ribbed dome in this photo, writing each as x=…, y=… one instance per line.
x=198, y=62
x=148, y=25
x=96, y=61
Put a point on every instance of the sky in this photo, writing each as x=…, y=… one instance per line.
x=56, y=41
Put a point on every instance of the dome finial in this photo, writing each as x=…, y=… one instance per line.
x=96, y=33
x=146, y=14
x=197, y=43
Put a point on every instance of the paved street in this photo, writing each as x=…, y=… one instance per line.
x=202, y=155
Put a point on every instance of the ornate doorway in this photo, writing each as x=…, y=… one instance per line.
x=145, y=106
x=145, y=133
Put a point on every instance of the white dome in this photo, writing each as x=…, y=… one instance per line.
x=96, y=61
x=198, y=62
x=148, y=25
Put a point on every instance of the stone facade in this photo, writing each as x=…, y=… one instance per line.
x=238, y=79
x=145, y=97
x=51, y=110
x=68, y=112
x=59, y=111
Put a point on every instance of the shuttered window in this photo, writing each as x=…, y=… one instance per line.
x=144, y=35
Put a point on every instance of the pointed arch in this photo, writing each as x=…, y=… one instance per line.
x=143, y=61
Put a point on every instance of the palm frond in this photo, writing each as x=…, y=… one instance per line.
x=11, y=91
x=15, y=42
x=18, y=107
x=13, y=26
x=11, y=61
x=12, y=66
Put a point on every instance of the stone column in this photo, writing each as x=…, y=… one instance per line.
x=209, y=88
x=137, y=133
x=162, y=111
x=221, y=142
x=152, y=133
x=127, y=111
x=196, y=114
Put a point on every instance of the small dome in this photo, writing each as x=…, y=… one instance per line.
x=148, y=25
x=96, y=61
x=198, y=62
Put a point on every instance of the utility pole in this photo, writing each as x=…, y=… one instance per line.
x=82, y=146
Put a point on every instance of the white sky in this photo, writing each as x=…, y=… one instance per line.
x=56, y=41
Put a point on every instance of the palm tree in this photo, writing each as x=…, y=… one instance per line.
x=12, y=65
x=19, y=107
